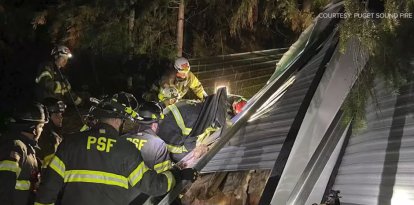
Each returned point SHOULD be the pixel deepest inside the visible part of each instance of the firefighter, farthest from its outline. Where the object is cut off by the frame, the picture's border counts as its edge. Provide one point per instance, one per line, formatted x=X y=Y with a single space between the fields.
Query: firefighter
x=179 y=120
x=19 y=170
x=50 y=80
x=99 y=167
x=52 y=132
x=177 y=128
x=153 y=149
x=183 y=81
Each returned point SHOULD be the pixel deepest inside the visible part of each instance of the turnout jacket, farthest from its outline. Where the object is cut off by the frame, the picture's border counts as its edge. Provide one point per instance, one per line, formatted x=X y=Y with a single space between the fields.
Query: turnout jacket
x=51 y=84
x=98 y=167
x=48 y=143
x=153 y=149
x=177 y=125
x=19 y=170
x=190 y=82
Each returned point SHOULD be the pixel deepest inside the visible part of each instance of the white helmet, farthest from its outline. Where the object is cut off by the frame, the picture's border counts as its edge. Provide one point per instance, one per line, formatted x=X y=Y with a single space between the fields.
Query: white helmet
x=182 y=65
x=170 y=93
x=61 y=51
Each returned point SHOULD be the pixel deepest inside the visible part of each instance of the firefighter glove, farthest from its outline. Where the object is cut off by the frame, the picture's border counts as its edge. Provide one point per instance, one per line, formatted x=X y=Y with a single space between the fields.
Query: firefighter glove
x=185 y=174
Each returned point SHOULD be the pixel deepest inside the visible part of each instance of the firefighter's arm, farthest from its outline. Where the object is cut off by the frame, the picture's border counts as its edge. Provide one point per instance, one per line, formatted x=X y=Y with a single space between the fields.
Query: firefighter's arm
x=156 y=155
x=9 y=171
x=45 y=79
x=196 y=86
x=52 y=181
x=150 y=182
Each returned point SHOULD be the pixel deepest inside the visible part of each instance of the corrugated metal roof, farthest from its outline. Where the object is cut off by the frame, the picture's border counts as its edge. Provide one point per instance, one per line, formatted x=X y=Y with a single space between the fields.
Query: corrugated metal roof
x=244 y=73
x=378 y=164
x=257 y=145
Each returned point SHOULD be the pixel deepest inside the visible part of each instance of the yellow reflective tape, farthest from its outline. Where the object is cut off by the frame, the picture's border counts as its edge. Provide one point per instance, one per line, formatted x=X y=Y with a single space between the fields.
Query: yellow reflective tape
x=23 y=185
x=84 y=128
x=57 y=165
x=47 y=160
x=58 y=88
x=176 y=149
x=137 y=174
x=170 y=180
x=37 y=203
x=131 y=112
x=179 y=119
x=12 y=166
x=206 y=133
x=42 y=75
x=89 y=176
x=163 y=166
x=78 y=101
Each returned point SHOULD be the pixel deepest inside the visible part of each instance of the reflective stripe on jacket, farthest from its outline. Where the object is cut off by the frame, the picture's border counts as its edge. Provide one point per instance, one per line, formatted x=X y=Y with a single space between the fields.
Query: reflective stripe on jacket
x=18 y=170
x=153 y=150
x=98 y=167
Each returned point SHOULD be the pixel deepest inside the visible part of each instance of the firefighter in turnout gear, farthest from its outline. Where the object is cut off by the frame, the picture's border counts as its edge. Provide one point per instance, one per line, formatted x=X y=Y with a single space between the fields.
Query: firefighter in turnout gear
x=183 y=81
x=51 y=82
x=179 y=120
x=97 y=167
x=52 y=132
x=19 y=169
x=153 y=149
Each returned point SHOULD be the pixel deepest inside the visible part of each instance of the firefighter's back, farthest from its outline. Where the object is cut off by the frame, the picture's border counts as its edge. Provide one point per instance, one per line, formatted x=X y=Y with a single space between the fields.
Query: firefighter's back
x=96 y=165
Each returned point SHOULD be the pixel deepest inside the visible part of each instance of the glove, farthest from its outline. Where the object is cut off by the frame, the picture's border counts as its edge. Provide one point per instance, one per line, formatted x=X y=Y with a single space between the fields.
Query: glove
x=184 y=174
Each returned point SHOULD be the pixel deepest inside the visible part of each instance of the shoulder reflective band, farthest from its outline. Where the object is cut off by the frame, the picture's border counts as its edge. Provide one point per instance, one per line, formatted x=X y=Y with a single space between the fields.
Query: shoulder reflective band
x=163 y=166
x=170 y=180
x=37 y=203
x=58 y=87
x=12 y=166
x=46 y=160
x=57 y=165
x=179 y=119
x=176 y=149
x=89 y=176
x=42 y=75
x=23 y=185
x=137 y=174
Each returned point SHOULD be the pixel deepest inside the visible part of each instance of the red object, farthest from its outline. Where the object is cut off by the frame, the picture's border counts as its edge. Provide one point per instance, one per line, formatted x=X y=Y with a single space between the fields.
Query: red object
x=238 y=106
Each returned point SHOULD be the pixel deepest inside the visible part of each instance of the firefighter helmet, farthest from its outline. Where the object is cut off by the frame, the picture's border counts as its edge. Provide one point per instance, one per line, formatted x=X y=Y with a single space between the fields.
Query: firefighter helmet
x=111 y=108
x=126 y=99
x=32 y=114
x=238 y=105
x=150 y=112
x=61 y=51
x=54 y=105
x=170 y=93
x=182 y=65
